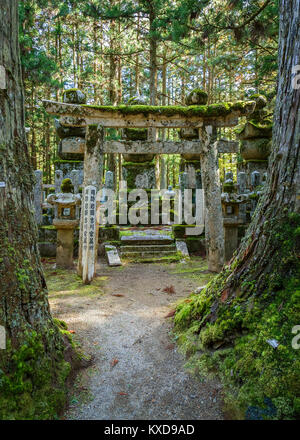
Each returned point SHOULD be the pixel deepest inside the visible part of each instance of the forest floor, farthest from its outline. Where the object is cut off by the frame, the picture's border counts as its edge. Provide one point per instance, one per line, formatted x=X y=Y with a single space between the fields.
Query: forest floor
x=121 y=321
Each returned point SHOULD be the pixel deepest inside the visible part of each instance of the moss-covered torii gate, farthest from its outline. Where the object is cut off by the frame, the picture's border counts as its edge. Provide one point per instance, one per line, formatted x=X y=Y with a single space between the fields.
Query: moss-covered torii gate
x=203 y=118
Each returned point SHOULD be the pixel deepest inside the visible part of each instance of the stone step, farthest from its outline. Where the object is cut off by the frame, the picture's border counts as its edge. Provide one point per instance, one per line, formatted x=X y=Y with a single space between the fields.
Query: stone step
x=147 y=247
x=157 y=258
x=147 y=254
x=146 y=239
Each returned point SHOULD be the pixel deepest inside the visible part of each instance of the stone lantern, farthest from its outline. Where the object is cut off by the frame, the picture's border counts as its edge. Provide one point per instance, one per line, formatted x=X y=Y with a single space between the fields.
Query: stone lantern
x=191 y=162
x=138 y=169
x=231 y=203
x=65 y=222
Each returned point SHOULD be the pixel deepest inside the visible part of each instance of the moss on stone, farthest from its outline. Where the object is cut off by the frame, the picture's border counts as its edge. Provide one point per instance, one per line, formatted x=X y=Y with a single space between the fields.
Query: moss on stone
x=139 y=164
x=67 y=186
x=204 y=111
x=136 y=100
x=228 y=187
x=61 y=161
x=197 y=96
x=74 y=96
x=136 y=134
x=261 y=101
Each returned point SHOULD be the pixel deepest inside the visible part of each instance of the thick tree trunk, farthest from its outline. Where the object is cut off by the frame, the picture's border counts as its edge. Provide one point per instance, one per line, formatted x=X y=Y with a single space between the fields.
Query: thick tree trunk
x=258 y=255
x=24 y=308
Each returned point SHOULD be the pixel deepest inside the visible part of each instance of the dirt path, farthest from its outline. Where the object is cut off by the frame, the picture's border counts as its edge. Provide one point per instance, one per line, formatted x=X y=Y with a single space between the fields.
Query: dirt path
x=137 y=371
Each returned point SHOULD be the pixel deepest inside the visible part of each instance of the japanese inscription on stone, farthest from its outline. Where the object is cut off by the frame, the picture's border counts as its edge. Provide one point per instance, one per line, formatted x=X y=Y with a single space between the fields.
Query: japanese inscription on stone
x=89 y=233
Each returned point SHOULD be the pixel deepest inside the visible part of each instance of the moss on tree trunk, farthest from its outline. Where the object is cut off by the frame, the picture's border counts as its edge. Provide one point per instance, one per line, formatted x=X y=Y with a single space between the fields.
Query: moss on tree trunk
x=33 y=369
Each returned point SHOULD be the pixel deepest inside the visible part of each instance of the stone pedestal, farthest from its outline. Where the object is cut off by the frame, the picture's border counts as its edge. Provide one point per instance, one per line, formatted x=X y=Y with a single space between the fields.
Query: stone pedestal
x=138 y=171
x=231 y=229
x=191 y=162
x=65 y=222
x=65 y=242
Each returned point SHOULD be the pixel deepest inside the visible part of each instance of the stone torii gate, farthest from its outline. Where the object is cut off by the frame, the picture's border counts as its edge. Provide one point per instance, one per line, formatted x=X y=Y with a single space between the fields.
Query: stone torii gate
x=202 y=117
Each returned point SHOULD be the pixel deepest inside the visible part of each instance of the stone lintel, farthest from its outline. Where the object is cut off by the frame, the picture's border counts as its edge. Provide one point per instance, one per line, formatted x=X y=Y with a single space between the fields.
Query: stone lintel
x=223 y=115
x=226 y=146
x=158 y=147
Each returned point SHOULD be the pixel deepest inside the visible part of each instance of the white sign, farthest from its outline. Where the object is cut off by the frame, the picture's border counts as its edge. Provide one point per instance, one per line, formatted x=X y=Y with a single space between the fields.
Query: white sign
x=89 y=234
x=2 y=184
x=2 y=338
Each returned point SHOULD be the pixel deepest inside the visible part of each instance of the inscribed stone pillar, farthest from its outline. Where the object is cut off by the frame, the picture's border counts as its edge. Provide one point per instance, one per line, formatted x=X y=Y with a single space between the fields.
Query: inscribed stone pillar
x=93 y=170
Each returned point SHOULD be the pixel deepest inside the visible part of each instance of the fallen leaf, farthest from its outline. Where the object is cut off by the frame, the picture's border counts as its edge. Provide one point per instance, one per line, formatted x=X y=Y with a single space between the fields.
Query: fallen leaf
x=224 y=295
x=170 y=347
x=169 y=289
x=171 y=313
x=114 y=362
x=72 y=331
x=123 y=394
x=119 y=295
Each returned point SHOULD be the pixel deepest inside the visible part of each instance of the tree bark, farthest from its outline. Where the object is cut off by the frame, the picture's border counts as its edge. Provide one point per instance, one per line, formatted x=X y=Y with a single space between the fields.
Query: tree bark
x=260 y=253
x=24 y=307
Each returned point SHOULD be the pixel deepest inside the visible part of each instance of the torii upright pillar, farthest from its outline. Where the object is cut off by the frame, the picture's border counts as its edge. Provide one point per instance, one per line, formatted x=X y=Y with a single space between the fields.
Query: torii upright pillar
x=89 y=225
x=214 y=232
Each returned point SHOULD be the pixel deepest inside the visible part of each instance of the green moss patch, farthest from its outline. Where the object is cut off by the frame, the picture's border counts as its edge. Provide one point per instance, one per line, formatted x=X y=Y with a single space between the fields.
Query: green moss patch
x=136 y=134
x=197 y=96
x=32 y=383
x=65 y=283
x=213 y=110
x=227 y=334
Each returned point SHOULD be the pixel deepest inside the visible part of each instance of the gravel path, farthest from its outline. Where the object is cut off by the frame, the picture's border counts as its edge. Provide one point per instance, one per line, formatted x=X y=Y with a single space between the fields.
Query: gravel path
x=137 y=371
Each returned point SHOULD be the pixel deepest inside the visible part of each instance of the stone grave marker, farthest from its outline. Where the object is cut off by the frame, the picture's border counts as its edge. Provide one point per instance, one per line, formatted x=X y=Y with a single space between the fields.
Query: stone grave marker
x=90 y=234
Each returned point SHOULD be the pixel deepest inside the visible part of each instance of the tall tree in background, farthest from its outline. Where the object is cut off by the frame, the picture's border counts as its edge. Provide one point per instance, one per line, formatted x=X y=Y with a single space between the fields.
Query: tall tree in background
x=32 y=368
